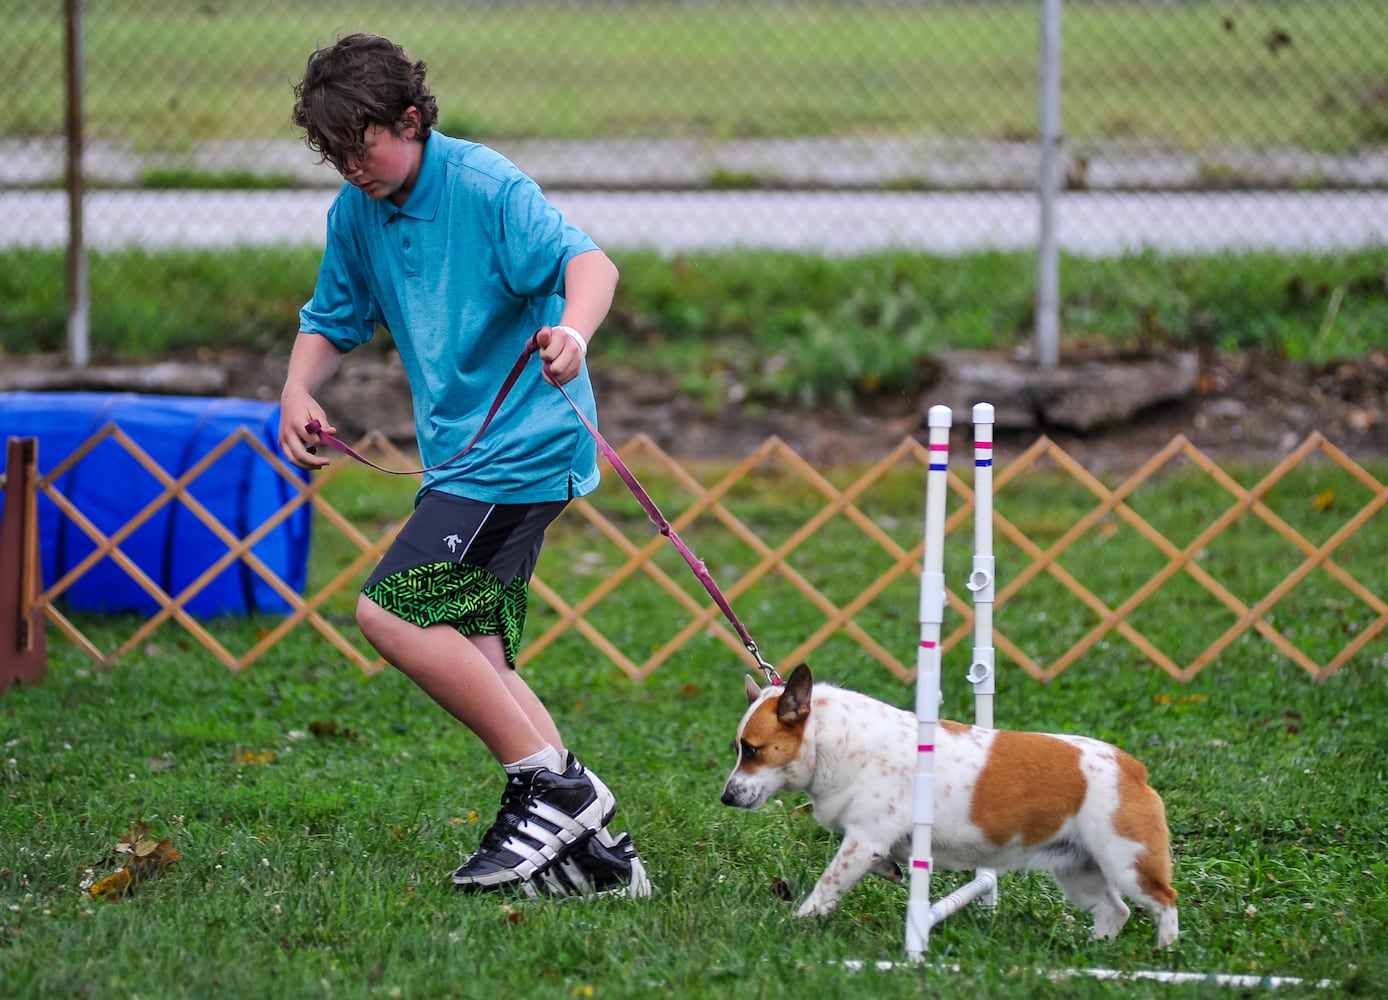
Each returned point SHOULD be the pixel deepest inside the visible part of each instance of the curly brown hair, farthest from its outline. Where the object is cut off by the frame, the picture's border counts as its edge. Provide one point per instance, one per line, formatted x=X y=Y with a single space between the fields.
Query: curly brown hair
x=359 y=81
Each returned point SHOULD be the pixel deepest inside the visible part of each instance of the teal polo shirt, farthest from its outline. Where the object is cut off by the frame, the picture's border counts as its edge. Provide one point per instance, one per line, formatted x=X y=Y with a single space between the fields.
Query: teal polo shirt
x=462 y=275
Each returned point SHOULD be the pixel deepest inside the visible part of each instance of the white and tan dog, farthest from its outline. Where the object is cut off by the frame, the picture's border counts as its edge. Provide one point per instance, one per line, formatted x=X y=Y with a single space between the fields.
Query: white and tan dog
x=1074 y=806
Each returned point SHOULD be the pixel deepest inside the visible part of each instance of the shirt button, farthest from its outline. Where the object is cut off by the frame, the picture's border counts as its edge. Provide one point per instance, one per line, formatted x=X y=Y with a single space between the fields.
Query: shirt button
x=406 y=244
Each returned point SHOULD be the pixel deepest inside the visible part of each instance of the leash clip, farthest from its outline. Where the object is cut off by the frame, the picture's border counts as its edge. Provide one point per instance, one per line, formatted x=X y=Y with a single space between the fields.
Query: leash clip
x=772 y=677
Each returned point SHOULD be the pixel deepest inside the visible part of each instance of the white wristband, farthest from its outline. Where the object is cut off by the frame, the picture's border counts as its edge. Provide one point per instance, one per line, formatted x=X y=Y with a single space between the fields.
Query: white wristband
x=577 y=339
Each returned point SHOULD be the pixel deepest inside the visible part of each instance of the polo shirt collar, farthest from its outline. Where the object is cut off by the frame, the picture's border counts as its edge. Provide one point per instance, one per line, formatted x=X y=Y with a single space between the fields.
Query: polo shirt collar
x=423 y=202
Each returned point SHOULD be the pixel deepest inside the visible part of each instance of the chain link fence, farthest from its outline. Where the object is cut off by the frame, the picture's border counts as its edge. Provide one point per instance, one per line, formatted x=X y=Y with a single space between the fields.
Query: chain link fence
x=819 y=126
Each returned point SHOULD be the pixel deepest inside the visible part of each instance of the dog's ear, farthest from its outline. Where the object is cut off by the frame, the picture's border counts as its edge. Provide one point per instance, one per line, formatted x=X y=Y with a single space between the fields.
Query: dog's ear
x=794 y=704
x=753 y=691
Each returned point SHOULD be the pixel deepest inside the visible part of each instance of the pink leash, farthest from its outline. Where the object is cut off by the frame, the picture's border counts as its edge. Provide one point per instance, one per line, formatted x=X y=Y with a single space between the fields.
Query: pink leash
x=608 y=452
x=333 y=441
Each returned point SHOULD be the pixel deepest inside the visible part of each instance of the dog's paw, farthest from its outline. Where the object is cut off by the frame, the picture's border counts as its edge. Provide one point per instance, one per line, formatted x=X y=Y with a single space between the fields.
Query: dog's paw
x=816 y=906
x=888 y=869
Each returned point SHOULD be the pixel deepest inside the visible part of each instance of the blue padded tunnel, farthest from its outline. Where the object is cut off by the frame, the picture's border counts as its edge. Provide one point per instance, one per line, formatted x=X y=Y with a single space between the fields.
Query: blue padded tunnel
x=109 y=486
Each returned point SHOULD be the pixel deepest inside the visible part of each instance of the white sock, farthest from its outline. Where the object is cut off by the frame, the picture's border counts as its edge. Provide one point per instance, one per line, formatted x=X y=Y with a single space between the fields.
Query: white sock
x=548 y=758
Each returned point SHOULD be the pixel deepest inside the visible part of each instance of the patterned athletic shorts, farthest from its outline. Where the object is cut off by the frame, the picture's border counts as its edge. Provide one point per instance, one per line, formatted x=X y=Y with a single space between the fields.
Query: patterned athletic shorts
x=464 y=563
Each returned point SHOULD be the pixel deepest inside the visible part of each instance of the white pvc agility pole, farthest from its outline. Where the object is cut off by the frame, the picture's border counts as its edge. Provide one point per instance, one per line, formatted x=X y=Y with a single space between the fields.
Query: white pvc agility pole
x=921 y=916
x=982 y=672
x=932 y=616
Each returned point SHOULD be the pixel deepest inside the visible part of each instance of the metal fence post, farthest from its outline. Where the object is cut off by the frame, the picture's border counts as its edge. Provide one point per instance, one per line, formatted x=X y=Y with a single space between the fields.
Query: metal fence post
x=1047 y=251
x=78 y=291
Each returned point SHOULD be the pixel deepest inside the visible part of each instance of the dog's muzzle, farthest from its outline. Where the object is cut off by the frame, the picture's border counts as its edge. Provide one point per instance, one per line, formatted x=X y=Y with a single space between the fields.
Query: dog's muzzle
x=743 y=794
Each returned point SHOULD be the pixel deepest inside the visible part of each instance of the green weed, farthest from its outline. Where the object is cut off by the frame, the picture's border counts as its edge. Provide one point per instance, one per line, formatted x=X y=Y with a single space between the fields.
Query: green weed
x=768 y=329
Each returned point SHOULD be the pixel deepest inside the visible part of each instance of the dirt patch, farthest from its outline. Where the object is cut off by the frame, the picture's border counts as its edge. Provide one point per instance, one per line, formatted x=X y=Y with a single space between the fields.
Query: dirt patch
x=1243 y=407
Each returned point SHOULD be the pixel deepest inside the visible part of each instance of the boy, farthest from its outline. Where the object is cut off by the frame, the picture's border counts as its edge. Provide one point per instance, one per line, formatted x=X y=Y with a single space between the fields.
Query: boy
x=451 y=248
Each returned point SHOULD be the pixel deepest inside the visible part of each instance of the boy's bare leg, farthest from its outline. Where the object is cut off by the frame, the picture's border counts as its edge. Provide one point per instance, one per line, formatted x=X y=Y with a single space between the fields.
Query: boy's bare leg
x=494 y=650
x=469 y=678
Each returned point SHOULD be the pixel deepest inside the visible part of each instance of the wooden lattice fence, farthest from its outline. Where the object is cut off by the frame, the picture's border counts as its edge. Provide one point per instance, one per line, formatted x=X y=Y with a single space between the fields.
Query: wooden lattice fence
x=1307 y=543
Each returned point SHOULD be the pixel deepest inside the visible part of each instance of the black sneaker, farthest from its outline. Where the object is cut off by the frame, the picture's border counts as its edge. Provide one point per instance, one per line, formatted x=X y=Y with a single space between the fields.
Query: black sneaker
x=542 y=816
x=603 y=865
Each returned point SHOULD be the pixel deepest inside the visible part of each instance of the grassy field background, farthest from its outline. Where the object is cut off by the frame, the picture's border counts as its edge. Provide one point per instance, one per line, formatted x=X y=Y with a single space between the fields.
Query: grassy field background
x=788 y=329
x=1182 y=75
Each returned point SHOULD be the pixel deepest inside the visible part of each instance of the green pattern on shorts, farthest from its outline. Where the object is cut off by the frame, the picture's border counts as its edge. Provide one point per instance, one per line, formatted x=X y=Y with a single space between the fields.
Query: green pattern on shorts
x=469 y=598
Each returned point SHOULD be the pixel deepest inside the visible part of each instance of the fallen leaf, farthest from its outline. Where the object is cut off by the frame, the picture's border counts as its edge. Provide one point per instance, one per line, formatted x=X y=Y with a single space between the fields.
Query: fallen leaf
x=326 y=729
x=113 y=886
x=146 y=847
x=251 y=757
x=149 y=858
x=512 y=914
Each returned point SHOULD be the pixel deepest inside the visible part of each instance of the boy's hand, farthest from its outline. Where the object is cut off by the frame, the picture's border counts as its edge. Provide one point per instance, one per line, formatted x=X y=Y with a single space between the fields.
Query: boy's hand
x=562 y=349
x=297 y=442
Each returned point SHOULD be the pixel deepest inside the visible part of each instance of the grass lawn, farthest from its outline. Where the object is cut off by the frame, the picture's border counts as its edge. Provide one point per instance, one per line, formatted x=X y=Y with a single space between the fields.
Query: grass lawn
x=317 y=812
